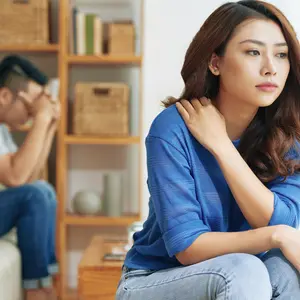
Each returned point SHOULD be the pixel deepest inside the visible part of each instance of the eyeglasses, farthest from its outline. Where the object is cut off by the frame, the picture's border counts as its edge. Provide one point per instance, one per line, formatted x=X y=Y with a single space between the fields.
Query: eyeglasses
x=44 y=93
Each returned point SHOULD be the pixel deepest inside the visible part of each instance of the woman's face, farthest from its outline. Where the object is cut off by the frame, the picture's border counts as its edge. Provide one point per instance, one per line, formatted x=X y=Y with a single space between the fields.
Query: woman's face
x=255 y=65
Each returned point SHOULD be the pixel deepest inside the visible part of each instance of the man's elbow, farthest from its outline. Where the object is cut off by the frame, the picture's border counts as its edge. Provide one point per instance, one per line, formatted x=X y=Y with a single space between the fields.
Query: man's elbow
x=14 y=181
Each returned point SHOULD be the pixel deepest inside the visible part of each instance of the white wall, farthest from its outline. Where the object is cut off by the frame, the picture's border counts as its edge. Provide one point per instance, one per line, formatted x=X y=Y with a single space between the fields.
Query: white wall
x=169 y=27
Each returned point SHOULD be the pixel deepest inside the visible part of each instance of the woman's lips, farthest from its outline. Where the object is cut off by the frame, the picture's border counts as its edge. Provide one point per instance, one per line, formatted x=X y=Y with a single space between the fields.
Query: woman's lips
x=268 y=87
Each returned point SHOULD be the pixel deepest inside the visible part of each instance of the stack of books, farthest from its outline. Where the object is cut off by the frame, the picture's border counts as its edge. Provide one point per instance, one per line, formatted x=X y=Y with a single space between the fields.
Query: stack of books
x=86 y=33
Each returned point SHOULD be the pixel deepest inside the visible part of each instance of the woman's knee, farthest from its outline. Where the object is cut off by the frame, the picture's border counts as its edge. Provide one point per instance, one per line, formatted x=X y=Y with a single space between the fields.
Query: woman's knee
x=283 y=275
x=247 y=277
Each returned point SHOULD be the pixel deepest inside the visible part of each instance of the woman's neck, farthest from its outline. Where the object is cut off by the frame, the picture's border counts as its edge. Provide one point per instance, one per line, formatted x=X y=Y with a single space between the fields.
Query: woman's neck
x=238 y=115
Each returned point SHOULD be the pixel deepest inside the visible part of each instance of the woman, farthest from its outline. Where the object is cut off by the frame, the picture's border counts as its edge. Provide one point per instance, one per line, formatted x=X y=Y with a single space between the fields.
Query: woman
x=223 y=168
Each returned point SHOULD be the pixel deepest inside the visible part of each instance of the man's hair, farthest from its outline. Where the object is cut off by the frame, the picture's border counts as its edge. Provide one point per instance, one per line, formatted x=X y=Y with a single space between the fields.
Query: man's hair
x=15 y=80
x=16 y=72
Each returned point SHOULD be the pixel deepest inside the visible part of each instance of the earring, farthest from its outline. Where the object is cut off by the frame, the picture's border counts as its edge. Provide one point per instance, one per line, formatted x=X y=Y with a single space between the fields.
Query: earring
x=215 y=71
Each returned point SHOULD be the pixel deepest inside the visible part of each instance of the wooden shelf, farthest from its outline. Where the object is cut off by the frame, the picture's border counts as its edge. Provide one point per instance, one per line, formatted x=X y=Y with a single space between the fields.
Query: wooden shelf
x=104 y=59
x=29 y=48
x=95 y=140
x=66 y=62
x=72 y=219
x=71 y=294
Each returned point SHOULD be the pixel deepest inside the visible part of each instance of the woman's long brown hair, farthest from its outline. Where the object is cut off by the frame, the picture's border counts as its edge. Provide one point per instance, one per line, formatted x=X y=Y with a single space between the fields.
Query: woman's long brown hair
x=270 y=143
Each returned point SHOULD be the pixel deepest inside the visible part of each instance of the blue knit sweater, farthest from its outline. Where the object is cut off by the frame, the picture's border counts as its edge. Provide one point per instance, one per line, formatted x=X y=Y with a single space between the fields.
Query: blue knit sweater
x=190 y=196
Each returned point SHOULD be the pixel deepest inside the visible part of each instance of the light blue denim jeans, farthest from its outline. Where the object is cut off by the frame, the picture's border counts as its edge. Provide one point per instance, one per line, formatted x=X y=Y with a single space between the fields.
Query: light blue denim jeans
x=31 y=208
x=227 y=277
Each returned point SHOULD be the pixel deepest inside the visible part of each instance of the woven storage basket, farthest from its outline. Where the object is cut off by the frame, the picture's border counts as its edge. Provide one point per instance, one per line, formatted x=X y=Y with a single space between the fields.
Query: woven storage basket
x=121 y=38
x=101 y=109
x=24 y=22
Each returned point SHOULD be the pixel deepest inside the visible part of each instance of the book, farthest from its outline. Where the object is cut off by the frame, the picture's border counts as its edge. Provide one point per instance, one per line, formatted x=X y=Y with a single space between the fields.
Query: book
x=98 y=36
x=114 y=257
x=80 y=33
x=89 y=34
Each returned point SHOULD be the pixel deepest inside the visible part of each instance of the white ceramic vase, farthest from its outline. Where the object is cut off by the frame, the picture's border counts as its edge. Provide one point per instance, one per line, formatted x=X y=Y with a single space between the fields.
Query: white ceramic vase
x=87 y=203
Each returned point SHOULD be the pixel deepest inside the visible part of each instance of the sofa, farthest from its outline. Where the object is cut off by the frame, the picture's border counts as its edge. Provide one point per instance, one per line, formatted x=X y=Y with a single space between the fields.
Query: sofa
x=10 y=268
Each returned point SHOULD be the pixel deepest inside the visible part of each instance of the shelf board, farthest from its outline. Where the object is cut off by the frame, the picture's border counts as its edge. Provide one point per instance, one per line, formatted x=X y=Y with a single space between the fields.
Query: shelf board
x=71 y=294
x=96 y=140
x=104 y=59
x=73 y=219
x=29 y=48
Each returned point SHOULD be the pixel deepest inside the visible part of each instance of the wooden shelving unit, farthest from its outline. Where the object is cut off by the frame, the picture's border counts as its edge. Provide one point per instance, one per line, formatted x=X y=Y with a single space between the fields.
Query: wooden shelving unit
x=29 y=48
x=105 y=59
x=99 y=220
x=64 y=140
x=94 y=140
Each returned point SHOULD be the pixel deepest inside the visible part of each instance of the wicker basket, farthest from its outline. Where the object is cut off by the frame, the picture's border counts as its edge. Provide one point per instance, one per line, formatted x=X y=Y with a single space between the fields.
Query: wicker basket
x=101 y=109
x=24 y=22
x=121 y=38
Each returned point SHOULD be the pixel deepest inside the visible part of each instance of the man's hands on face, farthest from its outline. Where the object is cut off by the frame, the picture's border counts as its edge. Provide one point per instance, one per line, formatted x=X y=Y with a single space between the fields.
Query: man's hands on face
x=56 y=110
x=42 y=107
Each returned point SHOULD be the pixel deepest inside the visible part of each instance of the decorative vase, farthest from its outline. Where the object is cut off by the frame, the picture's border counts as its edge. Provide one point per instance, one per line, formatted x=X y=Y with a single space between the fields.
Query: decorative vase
x=87 y=202
x=113 y=194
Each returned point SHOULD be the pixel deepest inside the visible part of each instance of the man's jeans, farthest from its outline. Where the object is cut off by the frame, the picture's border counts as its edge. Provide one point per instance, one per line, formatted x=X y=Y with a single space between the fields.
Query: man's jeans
x=31 y=208
x=227 y=277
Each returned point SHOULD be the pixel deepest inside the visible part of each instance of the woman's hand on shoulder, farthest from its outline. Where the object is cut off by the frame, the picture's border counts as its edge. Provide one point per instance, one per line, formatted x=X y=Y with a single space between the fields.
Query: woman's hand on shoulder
x=204 y=121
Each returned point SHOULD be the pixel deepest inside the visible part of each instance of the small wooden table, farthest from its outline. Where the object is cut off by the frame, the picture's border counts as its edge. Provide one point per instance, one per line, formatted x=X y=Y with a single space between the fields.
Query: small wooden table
x=98 y=279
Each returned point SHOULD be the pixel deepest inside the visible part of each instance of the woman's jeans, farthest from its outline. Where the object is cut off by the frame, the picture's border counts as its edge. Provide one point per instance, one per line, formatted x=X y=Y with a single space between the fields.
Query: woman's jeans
x=227 y=277
x=31 y=208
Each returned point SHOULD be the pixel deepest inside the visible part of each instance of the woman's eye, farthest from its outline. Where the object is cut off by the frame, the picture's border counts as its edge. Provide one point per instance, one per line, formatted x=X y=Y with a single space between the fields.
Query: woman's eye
x=253 y=52
x=282 y=55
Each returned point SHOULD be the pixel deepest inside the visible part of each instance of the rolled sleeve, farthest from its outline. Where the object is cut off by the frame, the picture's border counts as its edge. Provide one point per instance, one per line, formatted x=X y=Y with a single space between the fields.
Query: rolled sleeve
x=182 y=236
x=286 y=202
x=172 y=193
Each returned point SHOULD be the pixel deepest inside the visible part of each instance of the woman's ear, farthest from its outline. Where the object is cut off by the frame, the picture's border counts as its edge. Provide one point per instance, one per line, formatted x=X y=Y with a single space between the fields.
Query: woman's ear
x=214 y=64
x=6 y=97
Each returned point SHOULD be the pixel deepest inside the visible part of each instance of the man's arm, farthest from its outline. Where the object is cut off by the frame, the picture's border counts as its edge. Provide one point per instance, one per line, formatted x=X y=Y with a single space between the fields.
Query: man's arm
x=44 y=154
x=16 y=168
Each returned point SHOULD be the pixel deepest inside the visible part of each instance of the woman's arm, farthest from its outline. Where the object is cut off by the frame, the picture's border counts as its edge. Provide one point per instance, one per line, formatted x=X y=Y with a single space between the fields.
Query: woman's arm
x=213 y=244
x=260 y=206
x=254 y=199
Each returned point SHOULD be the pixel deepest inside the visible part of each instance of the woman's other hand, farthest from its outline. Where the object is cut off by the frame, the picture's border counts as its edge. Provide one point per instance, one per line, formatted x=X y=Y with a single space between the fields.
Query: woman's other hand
x=287 y=239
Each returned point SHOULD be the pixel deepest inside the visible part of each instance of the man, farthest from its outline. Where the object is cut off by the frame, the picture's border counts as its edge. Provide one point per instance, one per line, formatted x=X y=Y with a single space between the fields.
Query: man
x=27 y=203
